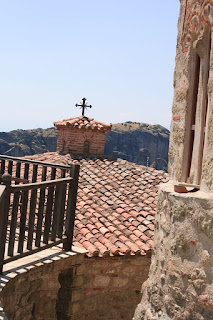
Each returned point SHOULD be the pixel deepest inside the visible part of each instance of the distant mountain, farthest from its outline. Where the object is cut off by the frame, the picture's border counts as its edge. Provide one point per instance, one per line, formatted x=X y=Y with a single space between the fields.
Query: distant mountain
x=136 y=142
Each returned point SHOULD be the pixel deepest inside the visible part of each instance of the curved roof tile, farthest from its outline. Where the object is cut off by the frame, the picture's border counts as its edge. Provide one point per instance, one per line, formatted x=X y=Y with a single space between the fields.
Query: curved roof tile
x=83 y=122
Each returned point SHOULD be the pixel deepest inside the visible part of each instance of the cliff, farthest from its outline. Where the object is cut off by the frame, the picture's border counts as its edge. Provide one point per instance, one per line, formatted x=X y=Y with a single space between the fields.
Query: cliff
x=139 y=142
x=136 y=142
x=27 y=142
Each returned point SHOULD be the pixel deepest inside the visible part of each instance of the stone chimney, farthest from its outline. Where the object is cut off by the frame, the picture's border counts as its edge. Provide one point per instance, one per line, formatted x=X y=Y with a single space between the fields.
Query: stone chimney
x=81 y=136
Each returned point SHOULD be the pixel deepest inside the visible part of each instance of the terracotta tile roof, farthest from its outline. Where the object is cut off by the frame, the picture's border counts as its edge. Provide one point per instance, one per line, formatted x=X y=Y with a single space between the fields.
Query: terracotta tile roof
x=116 y=205
x=83 y=122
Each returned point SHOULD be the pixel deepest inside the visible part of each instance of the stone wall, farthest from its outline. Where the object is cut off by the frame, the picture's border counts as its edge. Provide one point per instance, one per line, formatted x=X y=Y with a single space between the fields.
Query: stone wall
x=38 y=294
x=180 y=283
x=113 y=287
x=71 y=140
x=77 y=288
x=191 y=154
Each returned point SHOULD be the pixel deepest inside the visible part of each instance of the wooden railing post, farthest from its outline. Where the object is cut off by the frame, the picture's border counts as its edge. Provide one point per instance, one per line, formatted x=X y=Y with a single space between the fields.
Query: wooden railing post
x=71 y=206
x=4 y=210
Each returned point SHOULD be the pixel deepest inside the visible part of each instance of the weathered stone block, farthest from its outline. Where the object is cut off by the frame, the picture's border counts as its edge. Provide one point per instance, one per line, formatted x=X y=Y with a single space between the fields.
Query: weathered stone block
x=120 y=282
x=78 y=281
x=101 y=281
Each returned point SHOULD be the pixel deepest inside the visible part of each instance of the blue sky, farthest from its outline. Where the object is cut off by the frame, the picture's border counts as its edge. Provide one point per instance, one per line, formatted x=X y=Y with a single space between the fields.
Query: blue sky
x=119 y=54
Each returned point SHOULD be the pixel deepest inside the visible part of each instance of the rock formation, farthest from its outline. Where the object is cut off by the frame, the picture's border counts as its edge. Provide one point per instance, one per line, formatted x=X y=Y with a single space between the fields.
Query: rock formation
x=139 y=143
x=136 y=142
x=19 y=143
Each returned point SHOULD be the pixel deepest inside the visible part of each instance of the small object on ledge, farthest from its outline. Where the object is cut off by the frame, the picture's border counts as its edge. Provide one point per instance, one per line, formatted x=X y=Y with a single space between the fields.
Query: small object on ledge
x=181 y=187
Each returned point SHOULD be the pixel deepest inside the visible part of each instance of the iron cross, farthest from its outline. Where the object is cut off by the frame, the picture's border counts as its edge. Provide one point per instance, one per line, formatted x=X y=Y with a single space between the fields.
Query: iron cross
x=83 y=106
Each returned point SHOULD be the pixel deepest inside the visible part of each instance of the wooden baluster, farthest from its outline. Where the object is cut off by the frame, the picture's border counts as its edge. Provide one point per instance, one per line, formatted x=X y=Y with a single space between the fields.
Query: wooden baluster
x=41 y=209
x=48 y=215
x=18 y=171
x=13 y=224
x=4 y=210
x=2 y=169
x=71 y=206
x=57 y=204
x=32 y=209
x=10 y=167
x=23 y=212
x=62 y=206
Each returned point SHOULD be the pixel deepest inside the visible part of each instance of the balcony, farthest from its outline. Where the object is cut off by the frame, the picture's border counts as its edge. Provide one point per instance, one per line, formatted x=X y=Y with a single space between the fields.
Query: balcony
x=37 y=206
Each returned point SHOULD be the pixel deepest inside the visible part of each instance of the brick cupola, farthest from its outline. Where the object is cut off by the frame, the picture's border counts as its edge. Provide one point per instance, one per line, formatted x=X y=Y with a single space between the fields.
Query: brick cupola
x=81 y=136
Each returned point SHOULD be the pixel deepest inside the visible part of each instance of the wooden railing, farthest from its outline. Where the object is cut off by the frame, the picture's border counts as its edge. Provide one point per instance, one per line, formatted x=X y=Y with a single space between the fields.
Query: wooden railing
x=37 y=206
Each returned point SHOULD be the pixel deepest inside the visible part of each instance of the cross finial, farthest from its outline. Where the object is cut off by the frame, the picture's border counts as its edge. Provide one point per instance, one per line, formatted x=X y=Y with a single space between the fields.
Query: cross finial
x=83 y=106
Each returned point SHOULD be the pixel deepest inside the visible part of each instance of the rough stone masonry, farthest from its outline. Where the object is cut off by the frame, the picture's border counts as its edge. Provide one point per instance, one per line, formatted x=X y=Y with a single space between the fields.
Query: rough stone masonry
x=180 y=285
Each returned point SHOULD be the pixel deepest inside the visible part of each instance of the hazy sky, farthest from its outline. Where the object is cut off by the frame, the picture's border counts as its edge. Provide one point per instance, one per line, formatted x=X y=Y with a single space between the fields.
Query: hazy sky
x=119 y=54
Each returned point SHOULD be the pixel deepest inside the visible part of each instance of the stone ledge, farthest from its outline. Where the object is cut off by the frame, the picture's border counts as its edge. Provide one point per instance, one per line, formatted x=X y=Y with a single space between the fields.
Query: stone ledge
x=2 y=315
x=169 y=188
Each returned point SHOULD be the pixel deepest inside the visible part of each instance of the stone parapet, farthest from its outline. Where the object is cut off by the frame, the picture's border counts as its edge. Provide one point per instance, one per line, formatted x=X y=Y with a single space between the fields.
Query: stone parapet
x=55 y=284
x=32 y=287
x=180 y=279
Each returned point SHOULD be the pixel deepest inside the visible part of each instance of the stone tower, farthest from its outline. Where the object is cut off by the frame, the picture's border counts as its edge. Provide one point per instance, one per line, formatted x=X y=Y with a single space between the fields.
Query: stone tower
x=180 y=283
x=81 y=136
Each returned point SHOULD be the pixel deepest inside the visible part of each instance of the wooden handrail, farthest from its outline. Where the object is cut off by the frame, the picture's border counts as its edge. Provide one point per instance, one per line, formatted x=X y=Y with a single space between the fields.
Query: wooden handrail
x=42 y=184
x=45 y=164
x=17 y=179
